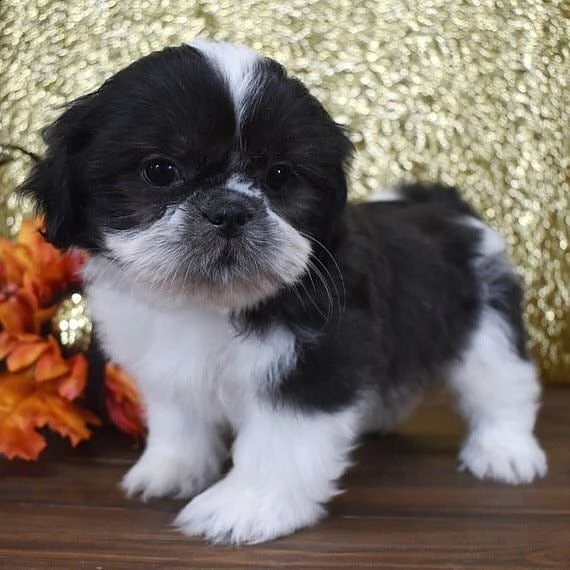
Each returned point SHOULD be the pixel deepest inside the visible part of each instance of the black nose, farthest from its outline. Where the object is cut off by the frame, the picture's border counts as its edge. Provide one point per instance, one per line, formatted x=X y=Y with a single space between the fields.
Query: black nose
x=229 y=218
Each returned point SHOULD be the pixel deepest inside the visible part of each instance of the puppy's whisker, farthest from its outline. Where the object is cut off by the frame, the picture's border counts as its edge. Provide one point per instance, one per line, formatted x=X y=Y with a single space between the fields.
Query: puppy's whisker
x=295 y=289
x=334 y=285
x=322 y=281
x=313 y=302
x=312 y=269
x=335 y=264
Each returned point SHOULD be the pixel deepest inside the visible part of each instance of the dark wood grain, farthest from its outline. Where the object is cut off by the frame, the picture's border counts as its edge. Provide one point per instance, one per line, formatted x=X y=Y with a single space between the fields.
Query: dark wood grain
x=406 y=506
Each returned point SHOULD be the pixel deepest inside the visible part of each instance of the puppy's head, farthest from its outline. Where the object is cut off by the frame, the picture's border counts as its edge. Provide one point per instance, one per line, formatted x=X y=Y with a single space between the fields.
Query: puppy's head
x=201 y=171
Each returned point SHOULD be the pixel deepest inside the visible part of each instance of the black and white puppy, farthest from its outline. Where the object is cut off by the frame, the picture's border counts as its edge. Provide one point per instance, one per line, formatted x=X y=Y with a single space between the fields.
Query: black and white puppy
x=231 y=279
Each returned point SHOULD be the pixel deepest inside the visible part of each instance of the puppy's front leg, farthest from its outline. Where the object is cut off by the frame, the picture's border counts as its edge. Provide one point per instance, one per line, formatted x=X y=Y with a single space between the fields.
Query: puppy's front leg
x=286 y=465
x=183 y=455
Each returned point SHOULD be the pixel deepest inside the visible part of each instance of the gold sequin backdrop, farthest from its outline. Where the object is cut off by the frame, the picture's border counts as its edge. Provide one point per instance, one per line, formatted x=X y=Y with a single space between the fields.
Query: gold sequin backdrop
x=469 y=93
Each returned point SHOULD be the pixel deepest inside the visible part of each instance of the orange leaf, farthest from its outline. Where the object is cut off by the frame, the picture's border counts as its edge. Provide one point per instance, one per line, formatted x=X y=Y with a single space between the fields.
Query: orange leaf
x=9 y=341
x=7 y=344
x=28 y=337
x=124 y=405
x=50 y=365
x=72 y=385
x=25 y=354
x=21 y=441
x=26 y=405
x=15 y=260
x=41 y=316
x=17 y=311
x=65 y=418
x=30 y=236
x=126 y=418
x=52 y=272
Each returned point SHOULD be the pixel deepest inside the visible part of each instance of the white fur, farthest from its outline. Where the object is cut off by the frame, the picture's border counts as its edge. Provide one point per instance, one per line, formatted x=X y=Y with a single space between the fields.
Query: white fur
x=237 y=65
x=151 y=247
x=189 y=357
x=184 y=452
x=384 y=195
x=295 y=251
x=237 y=183
x=197 y=376
x=286 y=465
x=491 y=242
x=498 y=394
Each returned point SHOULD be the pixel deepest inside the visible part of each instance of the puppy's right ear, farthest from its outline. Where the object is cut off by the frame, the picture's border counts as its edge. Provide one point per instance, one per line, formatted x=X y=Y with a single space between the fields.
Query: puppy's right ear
x=56 y=184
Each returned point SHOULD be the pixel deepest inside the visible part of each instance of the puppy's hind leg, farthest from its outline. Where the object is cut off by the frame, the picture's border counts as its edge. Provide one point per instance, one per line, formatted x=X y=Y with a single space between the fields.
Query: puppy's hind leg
x=383 y=413
x=498 y=393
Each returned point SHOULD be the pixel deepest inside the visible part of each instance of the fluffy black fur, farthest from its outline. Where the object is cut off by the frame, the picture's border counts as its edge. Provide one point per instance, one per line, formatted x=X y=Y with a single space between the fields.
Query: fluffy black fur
x=392 y=294
x=406 y=298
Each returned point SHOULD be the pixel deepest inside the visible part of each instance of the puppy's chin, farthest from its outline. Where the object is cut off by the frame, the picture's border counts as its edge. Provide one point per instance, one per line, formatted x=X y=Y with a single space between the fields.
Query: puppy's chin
x=230 y=275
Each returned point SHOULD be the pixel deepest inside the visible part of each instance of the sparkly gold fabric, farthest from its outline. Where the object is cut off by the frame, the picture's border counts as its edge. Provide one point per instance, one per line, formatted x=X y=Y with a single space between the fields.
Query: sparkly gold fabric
x=469 y=93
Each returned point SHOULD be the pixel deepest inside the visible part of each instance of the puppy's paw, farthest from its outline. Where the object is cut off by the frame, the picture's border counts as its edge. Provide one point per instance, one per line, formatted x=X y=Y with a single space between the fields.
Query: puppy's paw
x=160 y=473
x=503 y=455
x=238 y=511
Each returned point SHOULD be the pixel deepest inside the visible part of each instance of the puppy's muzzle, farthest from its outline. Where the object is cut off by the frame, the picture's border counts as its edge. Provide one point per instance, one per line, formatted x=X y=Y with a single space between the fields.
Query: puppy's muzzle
x=230 y=215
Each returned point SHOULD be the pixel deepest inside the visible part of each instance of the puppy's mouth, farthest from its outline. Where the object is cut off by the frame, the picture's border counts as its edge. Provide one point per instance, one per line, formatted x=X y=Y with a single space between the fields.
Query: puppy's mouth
x=221 y=261
x=241 y=271
x=264 y=254
x=232 y=264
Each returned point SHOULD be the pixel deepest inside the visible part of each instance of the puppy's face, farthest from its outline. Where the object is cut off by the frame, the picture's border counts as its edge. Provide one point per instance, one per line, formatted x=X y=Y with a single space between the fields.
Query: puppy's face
x=198 y=171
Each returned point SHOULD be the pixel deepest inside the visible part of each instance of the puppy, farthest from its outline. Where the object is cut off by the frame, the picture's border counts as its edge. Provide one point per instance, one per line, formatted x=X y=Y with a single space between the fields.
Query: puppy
x=230 y=278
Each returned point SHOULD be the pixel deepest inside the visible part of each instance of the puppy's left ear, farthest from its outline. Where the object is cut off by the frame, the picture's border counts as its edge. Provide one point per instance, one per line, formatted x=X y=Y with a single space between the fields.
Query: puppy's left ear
x=56 y=184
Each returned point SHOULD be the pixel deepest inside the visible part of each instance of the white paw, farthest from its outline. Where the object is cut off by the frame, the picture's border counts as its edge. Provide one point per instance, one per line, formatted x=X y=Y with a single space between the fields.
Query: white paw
x=161 y=473
x=238 y=511
x=504 y=455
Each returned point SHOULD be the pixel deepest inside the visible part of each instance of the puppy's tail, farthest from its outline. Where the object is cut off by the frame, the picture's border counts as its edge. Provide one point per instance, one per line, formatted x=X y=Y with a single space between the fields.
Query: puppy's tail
x=436 y=194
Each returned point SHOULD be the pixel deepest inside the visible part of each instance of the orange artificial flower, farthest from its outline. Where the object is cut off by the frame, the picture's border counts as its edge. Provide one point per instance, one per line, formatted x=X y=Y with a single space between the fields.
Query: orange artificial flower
x=33 y=274
x=123 y=402
x=38 y=385
x=27 y=405
x=51 y=272
x=38 y=390
x=21 y=351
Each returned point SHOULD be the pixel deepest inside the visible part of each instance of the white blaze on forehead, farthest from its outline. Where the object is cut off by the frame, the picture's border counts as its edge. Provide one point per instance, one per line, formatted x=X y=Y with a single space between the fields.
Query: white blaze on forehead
x=240 y=184
x=236 y=63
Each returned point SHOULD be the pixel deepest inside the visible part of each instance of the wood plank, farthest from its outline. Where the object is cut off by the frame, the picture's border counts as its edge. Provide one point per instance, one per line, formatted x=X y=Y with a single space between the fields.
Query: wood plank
x=406 y=506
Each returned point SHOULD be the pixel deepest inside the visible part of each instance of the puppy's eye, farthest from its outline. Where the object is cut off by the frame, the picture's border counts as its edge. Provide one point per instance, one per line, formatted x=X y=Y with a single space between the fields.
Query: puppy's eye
x=159 y=172
x=278 y=176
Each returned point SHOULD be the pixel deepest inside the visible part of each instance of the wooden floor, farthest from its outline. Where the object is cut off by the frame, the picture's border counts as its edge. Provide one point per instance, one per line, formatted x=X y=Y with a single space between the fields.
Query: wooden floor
x=406 y=506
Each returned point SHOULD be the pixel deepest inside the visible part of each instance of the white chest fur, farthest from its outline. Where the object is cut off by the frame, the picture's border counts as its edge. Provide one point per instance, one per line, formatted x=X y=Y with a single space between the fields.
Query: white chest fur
x=193 y=353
